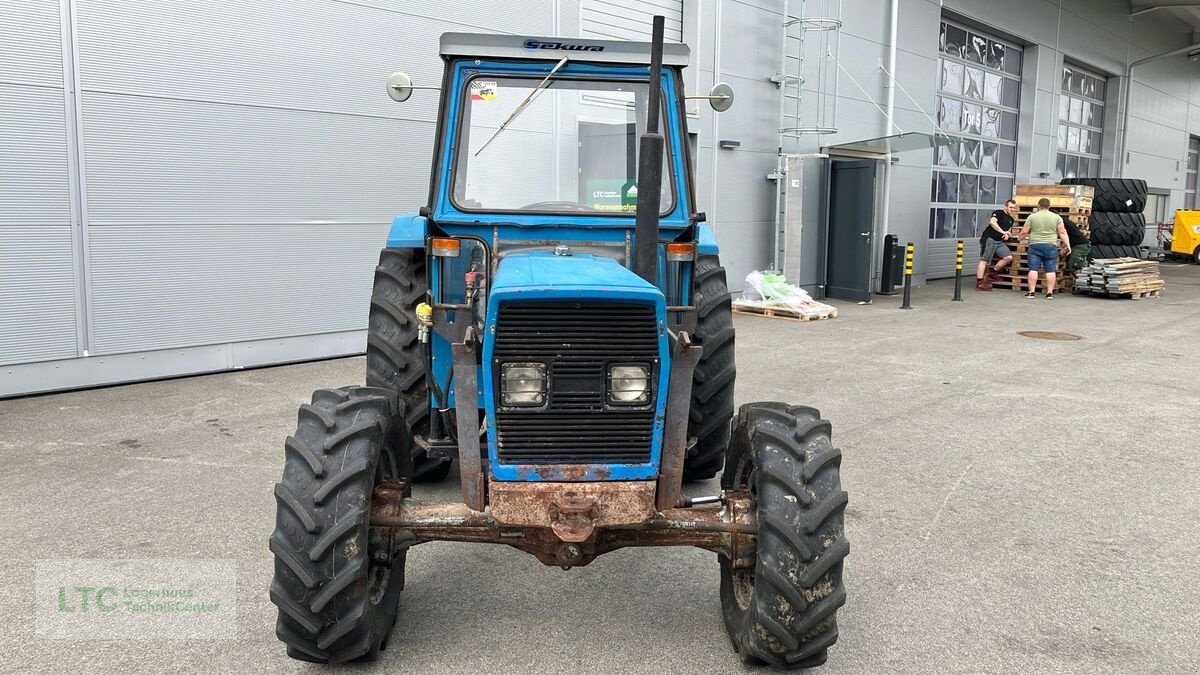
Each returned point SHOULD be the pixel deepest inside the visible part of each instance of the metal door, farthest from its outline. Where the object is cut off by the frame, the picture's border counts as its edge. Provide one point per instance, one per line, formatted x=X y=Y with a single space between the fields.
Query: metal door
x=851 y=217
x=604 y=174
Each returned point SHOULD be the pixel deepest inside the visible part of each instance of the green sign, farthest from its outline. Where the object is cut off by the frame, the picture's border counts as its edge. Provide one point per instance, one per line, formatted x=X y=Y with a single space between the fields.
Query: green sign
x=608 y=194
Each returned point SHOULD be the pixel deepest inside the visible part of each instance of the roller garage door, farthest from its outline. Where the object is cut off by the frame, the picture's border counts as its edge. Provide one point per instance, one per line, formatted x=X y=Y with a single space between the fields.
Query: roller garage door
x=977 y=102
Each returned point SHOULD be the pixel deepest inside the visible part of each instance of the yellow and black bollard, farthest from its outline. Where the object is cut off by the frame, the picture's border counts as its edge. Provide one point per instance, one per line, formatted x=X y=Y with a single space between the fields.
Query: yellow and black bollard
x=908 y=264
x=958 y=255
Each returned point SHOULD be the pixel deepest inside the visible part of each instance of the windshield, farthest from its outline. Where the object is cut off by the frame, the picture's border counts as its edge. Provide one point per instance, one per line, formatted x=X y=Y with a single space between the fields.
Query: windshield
x=572 y=149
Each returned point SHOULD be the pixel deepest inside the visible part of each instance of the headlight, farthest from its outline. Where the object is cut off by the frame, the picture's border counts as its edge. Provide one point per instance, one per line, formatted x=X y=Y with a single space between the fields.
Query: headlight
x=628 y=384
x=523 y=383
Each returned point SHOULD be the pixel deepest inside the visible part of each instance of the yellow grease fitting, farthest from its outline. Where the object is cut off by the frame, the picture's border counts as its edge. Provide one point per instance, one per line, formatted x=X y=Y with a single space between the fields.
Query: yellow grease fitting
x=424 y=313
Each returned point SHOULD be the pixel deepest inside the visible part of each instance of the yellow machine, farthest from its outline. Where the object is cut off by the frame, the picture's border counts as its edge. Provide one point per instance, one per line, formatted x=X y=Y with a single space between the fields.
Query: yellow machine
x=1185 y=237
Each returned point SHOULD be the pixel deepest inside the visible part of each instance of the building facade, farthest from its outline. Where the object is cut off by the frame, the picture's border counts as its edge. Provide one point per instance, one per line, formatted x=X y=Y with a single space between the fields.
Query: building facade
x=191 y=188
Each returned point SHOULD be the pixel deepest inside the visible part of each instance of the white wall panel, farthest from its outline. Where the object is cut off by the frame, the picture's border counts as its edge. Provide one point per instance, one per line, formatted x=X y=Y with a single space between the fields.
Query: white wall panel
x=631 y=19
x=160 y=286
x=749 y=41
x=244 y=161
x=242 y=164
x=33 y=160
x=37 y=272
x=309 y=54
x=31 y=42
x=1155 y=106
x=166 y=161
x=37 y=294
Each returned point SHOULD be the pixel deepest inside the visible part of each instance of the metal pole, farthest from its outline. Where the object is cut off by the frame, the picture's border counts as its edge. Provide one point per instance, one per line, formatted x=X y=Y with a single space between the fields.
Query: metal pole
x=908 y=265
x=780 y=164
x=958 y=256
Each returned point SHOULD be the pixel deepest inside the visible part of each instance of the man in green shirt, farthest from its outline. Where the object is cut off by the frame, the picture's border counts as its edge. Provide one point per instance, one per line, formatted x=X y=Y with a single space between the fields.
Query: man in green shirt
x=1044 y=228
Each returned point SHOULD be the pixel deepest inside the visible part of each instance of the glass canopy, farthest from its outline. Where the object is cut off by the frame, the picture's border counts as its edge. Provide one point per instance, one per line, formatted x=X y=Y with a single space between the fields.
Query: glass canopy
x=909 y=140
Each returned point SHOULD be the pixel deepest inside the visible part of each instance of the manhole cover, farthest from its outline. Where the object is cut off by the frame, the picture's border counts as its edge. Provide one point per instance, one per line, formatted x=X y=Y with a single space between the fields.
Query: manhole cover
x=1048 y=335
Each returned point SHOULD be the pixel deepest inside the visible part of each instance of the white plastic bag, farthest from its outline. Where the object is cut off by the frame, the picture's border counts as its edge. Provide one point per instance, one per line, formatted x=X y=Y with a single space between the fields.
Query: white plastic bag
x=771 y=290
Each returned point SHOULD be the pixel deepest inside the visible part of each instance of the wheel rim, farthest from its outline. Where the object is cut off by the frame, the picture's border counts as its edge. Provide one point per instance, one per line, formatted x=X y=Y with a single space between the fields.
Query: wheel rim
x=745 y=476
x=379 y=571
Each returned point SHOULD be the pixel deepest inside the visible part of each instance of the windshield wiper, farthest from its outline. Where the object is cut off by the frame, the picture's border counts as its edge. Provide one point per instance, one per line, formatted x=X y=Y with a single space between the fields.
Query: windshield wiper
x=519 y=108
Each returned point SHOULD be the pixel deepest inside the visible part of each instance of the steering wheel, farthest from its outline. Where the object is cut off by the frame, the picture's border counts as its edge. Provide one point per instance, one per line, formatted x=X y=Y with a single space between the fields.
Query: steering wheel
x=557 y=206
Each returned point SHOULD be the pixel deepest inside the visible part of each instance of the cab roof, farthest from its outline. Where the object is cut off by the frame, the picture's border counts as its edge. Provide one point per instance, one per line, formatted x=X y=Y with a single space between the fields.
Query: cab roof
x=485 y=45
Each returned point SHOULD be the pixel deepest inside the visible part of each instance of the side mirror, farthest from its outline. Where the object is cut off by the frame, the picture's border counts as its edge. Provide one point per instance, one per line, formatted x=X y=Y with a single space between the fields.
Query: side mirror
x=399 y=87
x=721 y=97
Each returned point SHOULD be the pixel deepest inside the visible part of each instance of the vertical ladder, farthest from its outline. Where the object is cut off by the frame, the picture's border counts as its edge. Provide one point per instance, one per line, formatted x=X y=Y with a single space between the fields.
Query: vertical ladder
x=808 y=90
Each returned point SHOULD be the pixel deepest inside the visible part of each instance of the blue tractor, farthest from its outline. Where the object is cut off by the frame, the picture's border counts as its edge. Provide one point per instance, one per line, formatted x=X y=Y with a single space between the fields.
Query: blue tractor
x=556 y=322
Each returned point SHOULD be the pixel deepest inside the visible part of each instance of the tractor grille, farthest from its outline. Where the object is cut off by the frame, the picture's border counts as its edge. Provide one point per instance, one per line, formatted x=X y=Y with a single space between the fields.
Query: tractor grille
x=576 y=341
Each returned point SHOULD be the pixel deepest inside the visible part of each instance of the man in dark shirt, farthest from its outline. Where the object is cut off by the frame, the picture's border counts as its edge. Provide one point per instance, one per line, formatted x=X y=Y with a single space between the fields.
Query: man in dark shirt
x=992 y=244
x=1081 y=248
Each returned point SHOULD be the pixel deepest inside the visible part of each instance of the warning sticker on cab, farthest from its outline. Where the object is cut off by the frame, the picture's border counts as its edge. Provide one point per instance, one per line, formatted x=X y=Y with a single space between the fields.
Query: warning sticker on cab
x=483 y=90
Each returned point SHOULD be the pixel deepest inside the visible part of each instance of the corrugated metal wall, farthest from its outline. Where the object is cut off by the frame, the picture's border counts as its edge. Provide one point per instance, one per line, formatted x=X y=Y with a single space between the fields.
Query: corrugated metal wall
x=631 y=19
x=238 y=166
x=37 y=270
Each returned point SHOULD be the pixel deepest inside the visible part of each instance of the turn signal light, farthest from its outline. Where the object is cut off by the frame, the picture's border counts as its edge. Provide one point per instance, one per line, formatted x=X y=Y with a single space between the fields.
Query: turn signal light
x=445 y=247
x=681 y=252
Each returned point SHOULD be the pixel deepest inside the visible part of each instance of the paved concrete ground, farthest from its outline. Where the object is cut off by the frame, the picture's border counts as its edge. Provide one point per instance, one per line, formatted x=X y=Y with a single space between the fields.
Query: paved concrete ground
x=1016 y=505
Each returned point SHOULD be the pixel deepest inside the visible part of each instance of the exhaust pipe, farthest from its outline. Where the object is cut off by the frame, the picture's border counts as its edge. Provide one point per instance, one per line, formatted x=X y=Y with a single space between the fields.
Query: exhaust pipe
x=649 y=175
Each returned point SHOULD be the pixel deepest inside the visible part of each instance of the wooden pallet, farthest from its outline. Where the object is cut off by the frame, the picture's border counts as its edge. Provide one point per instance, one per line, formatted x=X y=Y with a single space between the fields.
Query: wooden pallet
x=1038 y=190
x=1080 y=217
x=1016 y=277
x=1136 y=295
x=1056 y=202
x=1060 y=196
x=783 y=313
x=1121 y=278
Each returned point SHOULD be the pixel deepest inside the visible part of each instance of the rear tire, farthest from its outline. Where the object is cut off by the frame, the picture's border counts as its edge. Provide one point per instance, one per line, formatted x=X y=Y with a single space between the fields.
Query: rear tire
x=783 y=611
x=394 y=350
x=337 y=601
x=712 y=381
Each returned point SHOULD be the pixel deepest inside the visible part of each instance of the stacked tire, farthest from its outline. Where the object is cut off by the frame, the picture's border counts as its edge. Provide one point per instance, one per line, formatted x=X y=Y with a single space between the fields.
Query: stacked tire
x=1117 y=224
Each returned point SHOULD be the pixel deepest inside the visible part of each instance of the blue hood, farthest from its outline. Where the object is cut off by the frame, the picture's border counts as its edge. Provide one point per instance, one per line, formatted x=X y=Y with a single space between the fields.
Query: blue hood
x=543 y=270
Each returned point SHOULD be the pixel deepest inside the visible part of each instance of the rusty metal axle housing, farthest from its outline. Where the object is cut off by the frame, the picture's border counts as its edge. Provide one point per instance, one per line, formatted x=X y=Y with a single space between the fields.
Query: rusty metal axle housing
x=566 y=524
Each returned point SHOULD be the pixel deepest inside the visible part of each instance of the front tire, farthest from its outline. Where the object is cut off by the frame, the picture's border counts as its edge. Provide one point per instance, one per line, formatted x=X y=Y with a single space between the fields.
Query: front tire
x=394 y=350
x=337 y=593
x=712 y=382
x=783 y=610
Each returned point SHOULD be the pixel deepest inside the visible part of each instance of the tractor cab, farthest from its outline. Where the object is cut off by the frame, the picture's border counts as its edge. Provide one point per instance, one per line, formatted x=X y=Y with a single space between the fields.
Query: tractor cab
x=539 y=132
x=566 y=251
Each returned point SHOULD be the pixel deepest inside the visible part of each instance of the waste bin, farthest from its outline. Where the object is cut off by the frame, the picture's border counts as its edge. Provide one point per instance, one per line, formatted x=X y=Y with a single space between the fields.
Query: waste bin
x=892 y=274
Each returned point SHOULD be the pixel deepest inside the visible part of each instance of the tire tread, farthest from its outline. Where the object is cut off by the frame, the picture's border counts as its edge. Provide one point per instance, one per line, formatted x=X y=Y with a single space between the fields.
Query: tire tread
x=712 y=403
x=320 y=542
x=394 y=351
x=790 y=621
